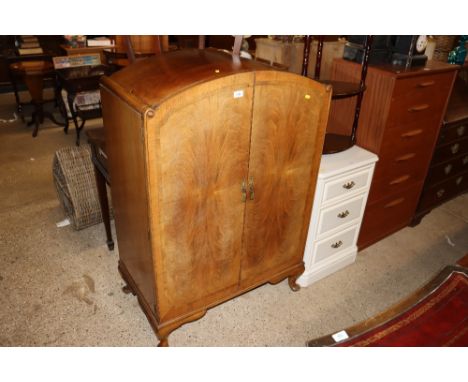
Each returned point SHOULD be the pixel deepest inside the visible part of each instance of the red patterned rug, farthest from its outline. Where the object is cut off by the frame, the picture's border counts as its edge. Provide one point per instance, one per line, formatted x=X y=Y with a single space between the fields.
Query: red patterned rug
x=436 y=315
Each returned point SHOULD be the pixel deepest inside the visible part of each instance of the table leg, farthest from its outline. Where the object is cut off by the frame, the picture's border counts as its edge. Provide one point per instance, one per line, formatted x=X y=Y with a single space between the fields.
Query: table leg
x=104 y=203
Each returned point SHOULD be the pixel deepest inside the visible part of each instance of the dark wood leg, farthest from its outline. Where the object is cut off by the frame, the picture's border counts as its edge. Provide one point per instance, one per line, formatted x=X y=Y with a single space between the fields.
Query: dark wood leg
x=78 y=131
x=127 y=290
x=104 y=203
x=292 y=283
x=163 y=342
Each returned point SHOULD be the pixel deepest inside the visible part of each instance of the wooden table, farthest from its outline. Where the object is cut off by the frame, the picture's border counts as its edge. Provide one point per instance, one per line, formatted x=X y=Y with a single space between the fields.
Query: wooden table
x=96 y=139
x=33 y=74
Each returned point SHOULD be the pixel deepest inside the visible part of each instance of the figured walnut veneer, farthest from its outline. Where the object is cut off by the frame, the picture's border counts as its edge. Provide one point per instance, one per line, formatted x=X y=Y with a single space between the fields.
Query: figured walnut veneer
x=214 y=163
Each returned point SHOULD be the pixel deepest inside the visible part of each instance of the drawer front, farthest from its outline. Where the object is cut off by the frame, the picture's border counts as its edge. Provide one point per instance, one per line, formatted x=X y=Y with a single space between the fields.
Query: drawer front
x=388 y=215
x=417 y=98
x=425 y=85
x=327 y=248
x=336 y=216
x=347 y=185
x=451 y=133
x=443 y=191
x=450 y=151
x=417 y=137
x=443 y=171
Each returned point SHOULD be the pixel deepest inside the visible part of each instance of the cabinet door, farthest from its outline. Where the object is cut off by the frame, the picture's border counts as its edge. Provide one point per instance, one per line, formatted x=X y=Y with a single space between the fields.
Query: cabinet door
x=204 y=149
x=289 y=119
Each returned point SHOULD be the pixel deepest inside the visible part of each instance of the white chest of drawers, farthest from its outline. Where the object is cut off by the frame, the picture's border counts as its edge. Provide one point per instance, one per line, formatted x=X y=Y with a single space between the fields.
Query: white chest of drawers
x=340 y=199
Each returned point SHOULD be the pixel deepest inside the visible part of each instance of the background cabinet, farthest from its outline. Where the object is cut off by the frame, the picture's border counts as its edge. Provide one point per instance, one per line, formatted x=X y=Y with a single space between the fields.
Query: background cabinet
x=400 y=118
x=213 y=164
x=448 y=171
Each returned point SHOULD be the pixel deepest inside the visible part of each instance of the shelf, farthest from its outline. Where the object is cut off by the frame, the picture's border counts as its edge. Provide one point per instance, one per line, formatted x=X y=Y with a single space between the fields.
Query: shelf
x=343 y=89
x=335 y=143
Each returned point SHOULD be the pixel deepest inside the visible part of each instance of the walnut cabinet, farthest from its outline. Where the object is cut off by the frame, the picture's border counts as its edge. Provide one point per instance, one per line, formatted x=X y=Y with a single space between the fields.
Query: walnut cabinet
x=213 y=164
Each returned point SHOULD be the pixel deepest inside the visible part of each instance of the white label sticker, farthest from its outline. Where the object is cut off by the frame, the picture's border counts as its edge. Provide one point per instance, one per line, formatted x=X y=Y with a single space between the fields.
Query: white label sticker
x=238 y=93
x=340 y=336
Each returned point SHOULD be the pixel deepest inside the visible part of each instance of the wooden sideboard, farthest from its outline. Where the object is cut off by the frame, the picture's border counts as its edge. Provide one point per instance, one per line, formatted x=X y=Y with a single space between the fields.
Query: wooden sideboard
x=448 y=171
x=214 y=162
x=400 y=119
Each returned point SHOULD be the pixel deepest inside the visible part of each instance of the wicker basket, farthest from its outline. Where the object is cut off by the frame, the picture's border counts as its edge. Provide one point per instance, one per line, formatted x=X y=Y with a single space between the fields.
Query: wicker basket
x=73 y=173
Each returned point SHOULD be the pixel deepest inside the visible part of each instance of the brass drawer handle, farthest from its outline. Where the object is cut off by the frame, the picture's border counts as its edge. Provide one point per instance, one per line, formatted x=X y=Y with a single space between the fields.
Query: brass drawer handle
x=426 y=84
x=399 y=180
x=412 y=133
x=418 y=107
x=338 y=244
x=243 y=191
x=349 y=185
x=251 y=189
x=459 y=180
x=448 y=168
x=343 y=214
x=461 y=130
x=465 y=160
x=440 y=193
x=454 y=148
x=405 y=157
x=394 y=203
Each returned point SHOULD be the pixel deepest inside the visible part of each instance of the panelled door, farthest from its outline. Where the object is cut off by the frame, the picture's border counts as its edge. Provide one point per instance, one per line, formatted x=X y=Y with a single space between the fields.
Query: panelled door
x=286 y=144
x=204 y=140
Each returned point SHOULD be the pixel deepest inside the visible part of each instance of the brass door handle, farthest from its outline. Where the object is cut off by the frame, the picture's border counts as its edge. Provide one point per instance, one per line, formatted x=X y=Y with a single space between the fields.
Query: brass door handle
x=251 y=189
x=343 y=214
x=459 y=180
x=243 y=191
x=338 y=244
x=461 y=130
x=349 y=185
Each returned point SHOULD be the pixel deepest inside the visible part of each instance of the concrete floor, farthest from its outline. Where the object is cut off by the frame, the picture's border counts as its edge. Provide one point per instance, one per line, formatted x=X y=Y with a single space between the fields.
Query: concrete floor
x=60 y=287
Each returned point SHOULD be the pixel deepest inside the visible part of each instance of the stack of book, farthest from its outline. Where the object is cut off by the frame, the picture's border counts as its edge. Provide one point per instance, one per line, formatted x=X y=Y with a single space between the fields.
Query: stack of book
x=100 y=41
x=29 y=45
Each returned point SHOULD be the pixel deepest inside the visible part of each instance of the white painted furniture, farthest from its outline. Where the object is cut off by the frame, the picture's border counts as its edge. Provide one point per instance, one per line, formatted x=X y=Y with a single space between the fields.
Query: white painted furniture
x=340 y=199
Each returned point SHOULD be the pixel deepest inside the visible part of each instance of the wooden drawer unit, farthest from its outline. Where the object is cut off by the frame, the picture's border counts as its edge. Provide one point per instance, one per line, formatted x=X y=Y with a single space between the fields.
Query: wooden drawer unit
x=448 y=173
x=340 y=198
x=400 y=119
x=443 y=191
x=388 y=215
